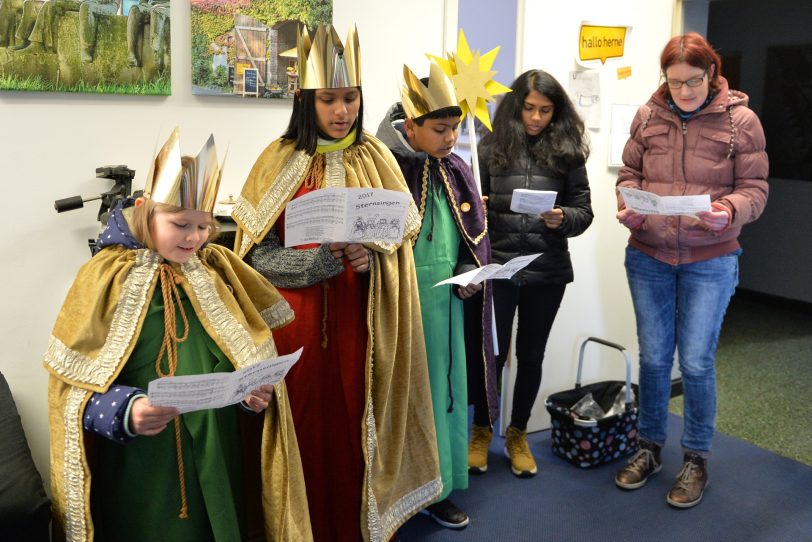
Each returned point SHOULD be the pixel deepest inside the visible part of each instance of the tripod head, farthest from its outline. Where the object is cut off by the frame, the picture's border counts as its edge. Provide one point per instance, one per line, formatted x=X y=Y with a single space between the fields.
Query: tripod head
x=122 y=177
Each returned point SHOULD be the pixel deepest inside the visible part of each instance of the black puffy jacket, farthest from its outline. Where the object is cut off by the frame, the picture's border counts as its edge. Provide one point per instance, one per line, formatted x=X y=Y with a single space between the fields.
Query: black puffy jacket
x=515 y=234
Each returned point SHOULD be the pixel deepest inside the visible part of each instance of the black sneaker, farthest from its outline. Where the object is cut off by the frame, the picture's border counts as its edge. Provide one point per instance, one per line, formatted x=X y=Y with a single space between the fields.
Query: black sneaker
x=447 y=514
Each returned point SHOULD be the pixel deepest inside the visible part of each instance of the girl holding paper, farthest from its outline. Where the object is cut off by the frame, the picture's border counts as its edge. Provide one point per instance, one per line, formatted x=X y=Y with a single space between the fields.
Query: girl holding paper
x=538 y=143
x=158 y=300
x=360 y=393
x=694 y=136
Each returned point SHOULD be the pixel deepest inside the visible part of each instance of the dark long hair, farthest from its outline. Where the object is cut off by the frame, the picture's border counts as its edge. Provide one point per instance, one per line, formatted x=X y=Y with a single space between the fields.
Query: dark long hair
x=302 y=127
x=692 y=49
x=561 y=146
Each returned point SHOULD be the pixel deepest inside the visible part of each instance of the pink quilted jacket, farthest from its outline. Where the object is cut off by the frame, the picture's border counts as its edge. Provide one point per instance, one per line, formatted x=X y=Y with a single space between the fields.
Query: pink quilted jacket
x=719 y=151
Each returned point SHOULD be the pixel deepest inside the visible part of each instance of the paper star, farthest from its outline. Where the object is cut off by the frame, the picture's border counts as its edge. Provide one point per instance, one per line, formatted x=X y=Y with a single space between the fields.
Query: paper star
x=472 y=77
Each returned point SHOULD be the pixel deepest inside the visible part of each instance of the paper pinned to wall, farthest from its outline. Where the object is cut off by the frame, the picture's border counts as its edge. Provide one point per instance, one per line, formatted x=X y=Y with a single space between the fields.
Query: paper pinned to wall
x=584 y=90
x=622 y=116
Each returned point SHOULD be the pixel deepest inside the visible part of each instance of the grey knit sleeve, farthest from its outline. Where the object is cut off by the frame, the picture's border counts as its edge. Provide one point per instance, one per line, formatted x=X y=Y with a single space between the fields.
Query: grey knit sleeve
x=292 y=268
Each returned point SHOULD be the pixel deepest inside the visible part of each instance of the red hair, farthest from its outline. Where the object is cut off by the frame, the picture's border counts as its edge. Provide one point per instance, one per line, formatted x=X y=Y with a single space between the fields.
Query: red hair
x=692 y=49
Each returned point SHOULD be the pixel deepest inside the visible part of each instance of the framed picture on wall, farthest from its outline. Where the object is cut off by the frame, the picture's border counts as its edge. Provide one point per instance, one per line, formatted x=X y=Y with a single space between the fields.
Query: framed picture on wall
x=230 y=37
x=106 y=47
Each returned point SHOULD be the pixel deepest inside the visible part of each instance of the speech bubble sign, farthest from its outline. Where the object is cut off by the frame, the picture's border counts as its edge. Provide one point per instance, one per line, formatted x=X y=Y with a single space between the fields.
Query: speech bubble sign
x=601 y=42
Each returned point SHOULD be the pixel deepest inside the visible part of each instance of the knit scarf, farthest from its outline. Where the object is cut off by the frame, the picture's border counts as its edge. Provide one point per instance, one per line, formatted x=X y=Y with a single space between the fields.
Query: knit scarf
x=685 y=115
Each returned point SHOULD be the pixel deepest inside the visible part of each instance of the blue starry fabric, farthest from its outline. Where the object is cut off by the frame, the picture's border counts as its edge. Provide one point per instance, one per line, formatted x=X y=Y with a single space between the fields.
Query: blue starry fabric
x=117 y=231
x=106 y=413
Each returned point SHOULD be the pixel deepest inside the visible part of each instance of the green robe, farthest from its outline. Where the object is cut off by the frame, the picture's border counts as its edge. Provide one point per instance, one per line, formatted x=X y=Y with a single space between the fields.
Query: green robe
x=143 y=474
x=442 y=312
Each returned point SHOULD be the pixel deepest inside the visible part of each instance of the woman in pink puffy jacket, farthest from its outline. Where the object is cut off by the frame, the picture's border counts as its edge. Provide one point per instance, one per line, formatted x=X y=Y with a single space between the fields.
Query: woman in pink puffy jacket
x=694 y=136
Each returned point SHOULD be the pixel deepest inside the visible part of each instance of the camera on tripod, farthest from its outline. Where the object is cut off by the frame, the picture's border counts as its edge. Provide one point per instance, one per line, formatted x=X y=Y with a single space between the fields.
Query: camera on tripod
x=122 y=177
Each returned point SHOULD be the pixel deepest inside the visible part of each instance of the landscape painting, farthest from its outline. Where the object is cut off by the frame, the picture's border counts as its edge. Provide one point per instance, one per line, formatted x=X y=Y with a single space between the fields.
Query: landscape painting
x=99 y=46
x=247 y=48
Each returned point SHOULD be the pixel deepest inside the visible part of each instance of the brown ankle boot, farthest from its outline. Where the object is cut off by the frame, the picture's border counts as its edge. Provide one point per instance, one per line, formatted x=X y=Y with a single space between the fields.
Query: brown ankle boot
x=644 y=463
x=691 y=482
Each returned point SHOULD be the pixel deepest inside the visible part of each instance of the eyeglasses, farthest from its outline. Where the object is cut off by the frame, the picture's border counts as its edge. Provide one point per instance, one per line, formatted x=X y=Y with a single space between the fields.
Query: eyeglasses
x=695 y=82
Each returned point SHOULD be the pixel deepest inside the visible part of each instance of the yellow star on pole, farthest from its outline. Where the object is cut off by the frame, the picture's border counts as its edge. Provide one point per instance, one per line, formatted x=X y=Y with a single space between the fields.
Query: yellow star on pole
x=472 y=77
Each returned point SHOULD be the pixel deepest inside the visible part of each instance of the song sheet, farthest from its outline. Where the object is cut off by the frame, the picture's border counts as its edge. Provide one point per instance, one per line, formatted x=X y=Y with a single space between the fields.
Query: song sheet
x=216 y=390
x=532 y=201
x=352 y=215
x=491 y=271
x=647 y=203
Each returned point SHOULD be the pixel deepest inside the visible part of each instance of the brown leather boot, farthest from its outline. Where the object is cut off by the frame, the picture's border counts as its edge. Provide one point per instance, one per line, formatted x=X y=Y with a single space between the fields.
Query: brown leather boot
x=644 y=463
x=691 y=482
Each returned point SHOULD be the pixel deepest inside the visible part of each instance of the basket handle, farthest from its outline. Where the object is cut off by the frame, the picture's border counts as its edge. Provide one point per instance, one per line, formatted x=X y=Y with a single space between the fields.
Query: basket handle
x=623 y=351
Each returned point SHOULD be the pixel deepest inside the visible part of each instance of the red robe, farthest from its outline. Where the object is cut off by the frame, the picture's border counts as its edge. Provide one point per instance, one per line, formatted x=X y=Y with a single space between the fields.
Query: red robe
x=329 y=377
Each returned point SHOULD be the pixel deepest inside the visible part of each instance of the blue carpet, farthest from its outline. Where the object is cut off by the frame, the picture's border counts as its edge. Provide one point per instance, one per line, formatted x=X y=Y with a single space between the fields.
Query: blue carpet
x=754 y=495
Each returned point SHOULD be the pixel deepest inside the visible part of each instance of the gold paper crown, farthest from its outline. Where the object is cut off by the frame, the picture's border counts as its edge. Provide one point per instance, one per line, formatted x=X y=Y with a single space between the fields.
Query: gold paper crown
x=419 y=100
x=184 y=181
x=325 y=62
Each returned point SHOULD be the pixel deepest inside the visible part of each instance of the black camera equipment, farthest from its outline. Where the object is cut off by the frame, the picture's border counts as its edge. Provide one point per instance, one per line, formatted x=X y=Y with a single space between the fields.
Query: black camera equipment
x=122 y=177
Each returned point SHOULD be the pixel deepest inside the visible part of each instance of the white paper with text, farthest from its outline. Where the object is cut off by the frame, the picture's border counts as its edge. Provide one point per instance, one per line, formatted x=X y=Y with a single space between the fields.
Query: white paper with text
x=351 y=215
x=647 y=203
x=491 y=271
x=532 y=201
x=215 y=390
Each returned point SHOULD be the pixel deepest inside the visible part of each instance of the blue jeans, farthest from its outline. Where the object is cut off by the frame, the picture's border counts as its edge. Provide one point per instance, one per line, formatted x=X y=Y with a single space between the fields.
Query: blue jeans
x=679 y=307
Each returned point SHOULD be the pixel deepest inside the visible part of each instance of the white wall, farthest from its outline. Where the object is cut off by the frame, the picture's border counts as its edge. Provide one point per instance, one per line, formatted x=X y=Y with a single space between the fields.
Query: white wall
x=598 y=302
x=50 y=145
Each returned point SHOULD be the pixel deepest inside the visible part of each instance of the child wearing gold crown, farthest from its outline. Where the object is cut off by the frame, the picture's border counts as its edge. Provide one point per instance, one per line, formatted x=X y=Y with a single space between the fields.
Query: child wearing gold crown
x=359 y=394
x=158 y=300
x=421 y=131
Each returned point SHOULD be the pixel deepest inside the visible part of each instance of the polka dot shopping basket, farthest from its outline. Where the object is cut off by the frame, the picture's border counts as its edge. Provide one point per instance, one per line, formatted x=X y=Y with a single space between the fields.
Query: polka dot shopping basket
x=587 y=441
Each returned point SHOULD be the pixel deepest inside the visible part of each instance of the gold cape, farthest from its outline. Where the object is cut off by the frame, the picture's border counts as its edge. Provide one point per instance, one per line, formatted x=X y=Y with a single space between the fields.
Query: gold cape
x=400 y=449
x=96 y=331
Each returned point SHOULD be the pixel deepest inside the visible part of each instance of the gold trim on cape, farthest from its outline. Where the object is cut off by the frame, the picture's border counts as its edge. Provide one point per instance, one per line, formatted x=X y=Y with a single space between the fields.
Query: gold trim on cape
x=453 y=204
x=456 y=208
x=98 y=372
x=239 y=346
x=336 y=176
x=257 y=220
x=381 y=526
x=73 y=470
